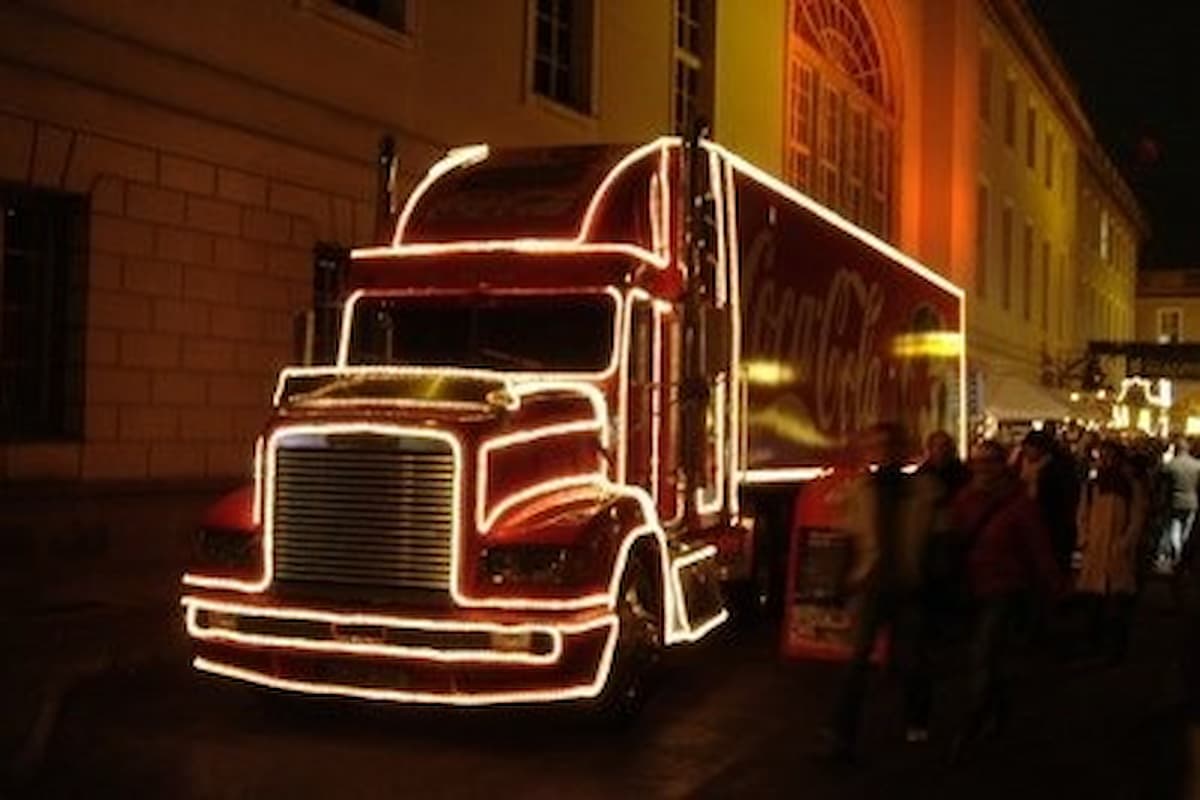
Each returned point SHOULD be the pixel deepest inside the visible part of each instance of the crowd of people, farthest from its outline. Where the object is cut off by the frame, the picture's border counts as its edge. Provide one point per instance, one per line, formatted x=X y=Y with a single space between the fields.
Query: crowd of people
x=995 y=544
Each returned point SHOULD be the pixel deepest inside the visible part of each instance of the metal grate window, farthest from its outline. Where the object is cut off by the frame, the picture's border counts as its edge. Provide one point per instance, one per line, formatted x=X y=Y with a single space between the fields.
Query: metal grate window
x=562 y=58
x=42 y=295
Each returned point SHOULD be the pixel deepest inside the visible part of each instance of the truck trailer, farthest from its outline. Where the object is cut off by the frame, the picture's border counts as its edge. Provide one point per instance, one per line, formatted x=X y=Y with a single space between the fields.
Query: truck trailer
x=572 y=405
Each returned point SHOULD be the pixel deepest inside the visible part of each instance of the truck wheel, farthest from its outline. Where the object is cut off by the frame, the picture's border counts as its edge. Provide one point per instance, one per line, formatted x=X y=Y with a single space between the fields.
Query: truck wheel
x=639 y=642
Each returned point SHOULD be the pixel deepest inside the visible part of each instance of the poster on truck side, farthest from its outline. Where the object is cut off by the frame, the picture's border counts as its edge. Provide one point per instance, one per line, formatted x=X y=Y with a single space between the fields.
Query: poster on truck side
x=821 y=606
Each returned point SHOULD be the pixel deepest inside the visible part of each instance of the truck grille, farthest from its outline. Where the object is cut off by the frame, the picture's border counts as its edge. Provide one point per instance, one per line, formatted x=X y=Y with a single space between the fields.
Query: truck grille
x=369 y=510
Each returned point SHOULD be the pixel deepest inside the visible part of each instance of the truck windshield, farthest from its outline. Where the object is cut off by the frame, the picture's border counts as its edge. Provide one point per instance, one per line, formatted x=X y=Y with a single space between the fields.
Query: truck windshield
x=559 y=333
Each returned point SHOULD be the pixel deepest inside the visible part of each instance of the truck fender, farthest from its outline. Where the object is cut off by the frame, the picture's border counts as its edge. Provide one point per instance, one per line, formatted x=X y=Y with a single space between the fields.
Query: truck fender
x=232 y=511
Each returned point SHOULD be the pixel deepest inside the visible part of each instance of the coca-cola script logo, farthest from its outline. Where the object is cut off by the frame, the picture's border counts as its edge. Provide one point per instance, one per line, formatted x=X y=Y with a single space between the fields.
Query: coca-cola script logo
x=827 y=338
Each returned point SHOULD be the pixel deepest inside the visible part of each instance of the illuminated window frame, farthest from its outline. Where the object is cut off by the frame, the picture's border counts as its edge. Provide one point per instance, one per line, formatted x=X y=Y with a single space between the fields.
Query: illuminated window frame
x=840 y=129
x=691 y=77
x=1105 y=239
x=987 y=69
x=1007 y=233
x=983 y=237
x=1046 y=262
x=1031 y=137
x=1168 y=333
x=562 y=53
x=1027 y=239
x=1049 y=161
x=1010 y=110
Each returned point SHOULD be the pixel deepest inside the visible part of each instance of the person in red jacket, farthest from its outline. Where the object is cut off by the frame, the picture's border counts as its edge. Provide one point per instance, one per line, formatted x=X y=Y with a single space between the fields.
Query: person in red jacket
x=1009 y=557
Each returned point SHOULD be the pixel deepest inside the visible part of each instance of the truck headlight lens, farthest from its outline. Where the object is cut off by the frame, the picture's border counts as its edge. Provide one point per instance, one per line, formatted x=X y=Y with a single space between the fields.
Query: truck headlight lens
x=225 y=549
x=529 y=565
x=512 y=642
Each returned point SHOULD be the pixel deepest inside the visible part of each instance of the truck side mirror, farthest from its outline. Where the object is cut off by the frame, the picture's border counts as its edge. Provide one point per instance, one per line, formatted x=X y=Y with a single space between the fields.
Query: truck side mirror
x=718 y=345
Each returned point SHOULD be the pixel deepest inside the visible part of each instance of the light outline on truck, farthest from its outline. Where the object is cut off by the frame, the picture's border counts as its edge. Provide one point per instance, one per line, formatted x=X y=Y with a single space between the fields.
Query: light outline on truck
x=773 y=183
x=343 y=357
x=675 y=629
x=193 y=605
x=473 y=154
x=456 y=158
x=577 y=692
x=485 y=518
x=678 y=627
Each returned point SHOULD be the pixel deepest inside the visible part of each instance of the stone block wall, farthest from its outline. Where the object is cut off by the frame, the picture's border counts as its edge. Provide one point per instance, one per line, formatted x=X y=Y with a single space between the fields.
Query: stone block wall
x=195 y=269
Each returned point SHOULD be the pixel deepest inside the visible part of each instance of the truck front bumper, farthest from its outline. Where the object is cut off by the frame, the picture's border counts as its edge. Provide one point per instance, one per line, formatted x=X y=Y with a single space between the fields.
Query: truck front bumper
x=451 y=657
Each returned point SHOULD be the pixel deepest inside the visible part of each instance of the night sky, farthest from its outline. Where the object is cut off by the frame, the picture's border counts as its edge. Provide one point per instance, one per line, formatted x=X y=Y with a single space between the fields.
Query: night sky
x=1137 y=65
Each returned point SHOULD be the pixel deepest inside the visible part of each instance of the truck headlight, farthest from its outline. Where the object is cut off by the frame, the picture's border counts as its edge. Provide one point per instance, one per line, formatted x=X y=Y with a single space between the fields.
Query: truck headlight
x=226 y=550
x=530 y=565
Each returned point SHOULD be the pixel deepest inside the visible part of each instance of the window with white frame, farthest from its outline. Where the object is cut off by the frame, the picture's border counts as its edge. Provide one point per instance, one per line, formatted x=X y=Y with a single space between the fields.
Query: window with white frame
x=982 y=236
x=1031 y=139
x=1170 y=325
x=985 y=84
x=693 y=64
x=562 y=53
x=1027 y=272
x=1010 y=111
x=1105 y=235
x=840 y=121
x=1062 y=294
x=1046 y=286
x=1049 y=160
x=1006 y=255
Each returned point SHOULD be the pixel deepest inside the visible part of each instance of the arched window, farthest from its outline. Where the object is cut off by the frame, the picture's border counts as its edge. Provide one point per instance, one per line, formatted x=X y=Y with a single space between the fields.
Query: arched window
x=841 y=124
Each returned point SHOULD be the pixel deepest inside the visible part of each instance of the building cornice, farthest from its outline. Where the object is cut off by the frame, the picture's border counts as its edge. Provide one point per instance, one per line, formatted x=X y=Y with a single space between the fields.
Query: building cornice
x=1169 y=283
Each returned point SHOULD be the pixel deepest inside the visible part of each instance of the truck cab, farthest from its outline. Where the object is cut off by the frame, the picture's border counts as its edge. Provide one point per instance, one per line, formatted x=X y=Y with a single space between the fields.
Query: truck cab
x=482 y=500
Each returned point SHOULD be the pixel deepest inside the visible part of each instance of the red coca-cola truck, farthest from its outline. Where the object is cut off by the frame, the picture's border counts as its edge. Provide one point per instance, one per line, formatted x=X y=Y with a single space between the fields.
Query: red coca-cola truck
x=572 y=405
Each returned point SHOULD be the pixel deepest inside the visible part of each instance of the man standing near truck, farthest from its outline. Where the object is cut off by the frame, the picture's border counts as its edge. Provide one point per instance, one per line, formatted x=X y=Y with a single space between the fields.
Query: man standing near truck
x=891 y=516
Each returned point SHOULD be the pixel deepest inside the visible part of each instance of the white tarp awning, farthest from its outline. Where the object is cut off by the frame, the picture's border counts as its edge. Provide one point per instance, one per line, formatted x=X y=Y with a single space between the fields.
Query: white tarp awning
x=1011 y=398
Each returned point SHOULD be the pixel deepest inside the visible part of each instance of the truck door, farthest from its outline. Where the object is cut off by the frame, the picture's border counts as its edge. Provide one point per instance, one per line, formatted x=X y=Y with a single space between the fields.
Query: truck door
x=640 y=401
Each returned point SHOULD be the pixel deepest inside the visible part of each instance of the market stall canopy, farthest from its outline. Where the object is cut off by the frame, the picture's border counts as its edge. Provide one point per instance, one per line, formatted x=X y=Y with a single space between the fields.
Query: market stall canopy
x=1011 y=398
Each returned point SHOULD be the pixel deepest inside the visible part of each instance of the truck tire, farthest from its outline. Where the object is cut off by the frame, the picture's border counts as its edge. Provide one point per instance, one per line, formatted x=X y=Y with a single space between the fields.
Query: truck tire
x=639 y=645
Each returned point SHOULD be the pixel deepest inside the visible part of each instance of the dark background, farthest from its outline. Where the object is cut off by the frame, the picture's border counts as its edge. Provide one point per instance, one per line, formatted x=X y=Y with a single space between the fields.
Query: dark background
x=1137 y=69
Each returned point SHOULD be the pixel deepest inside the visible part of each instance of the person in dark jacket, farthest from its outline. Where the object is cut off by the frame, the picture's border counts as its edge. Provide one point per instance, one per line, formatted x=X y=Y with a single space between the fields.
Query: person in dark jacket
x=942 y=462
x=1050 y=478
x=945 y=595
x=1008 y=558
x=890 y=516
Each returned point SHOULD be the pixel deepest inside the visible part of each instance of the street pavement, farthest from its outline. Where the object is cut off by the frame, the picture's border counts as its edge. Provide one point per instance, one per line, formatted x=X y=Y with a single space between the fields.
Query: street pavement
x=105 y=705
